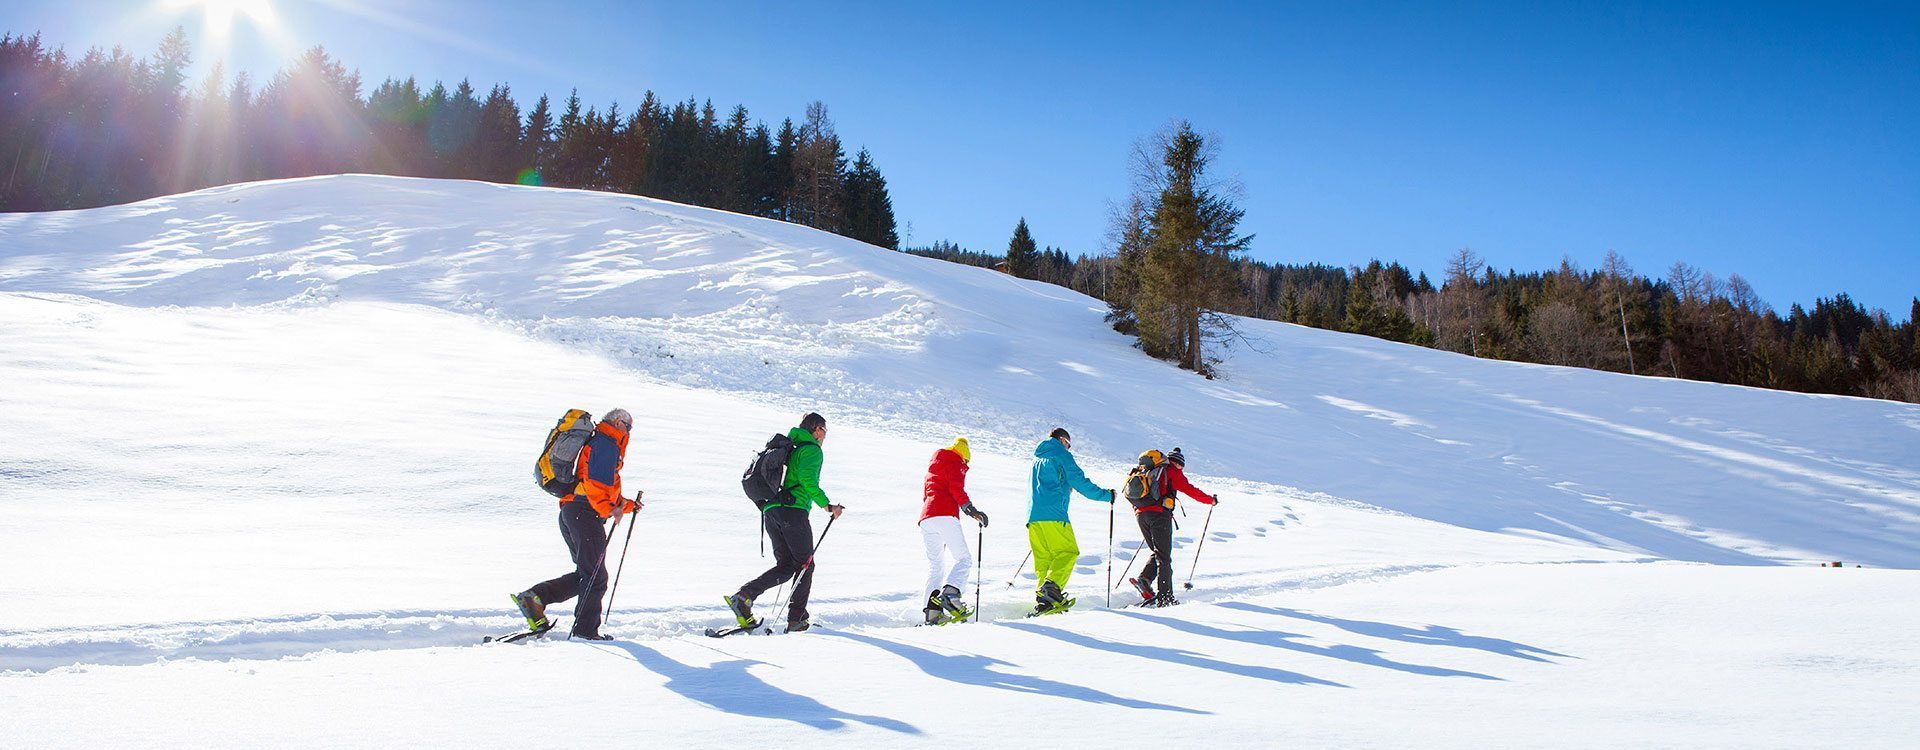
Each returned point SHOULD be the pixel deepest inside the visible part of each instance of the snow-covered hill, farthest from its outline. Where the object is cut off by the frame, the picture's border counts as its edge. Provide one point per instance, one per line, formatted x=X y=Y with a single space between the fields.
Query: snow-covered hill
x=274 y=422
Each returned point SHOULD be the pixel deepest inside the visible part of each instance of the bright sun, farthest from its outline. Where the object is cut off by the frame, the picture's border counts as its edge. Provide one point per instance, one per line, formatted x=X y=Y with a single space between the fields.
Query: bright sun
x=220 y=13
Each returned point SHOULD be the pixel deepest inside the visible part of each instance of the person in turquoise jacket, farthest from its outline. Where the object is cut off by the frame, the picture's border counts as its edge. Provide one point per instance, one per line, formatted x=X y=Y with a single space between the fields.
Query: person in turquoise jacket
x=1056 y=476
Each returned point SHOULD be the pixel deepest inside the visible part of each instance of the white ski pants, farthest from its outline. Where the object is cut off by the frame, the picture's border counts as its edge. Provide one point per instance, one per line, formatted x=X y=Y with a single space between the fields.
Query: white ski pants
x=943 y=533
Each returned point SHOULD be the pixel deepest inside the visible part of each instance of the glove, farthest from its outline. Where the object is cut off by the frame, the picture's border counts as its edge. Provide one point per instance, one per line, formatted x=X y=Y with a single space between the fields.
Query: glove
x=1216 y=499
x=1112 y=495
x=975 y=514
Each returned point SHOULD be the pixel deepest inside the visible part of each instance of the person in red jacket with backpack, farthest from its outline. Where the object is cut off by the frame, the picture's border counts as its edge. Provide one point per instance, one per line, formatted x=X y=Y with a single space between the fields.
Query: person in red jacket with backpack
x=1160 y=477
x=945 y=496
x=583 y=515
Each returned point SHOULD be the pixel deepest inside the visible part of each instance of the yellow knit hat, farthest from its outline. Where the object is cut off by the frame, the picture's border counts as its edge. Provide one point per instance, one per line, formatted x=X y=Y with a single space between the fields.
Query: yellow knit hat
x=960 y=446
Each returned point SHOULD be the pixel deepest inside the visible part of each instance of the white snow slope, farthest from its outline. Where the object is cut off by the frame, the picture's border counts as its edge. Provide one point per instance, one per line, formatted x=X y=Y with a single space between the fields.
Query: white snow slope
x=263 y=458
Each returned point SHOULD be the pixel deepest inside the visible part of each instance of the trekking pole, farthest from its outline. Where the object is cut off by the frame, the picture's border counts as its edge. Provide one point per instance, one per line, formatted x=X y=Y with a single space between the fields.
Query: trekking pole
x=808 y=565
x=1016 y=571
x=1202 y=545
x=595 y=578
x=1131 y=561
x=624 y=546
x=1110 y=499
x=979 y=566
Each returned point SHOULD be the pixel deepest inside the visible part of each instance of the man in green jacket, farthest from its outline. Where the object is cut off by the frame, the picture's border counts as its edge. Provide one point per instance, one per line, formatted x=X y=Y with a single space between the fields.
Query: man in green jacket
x=1056 y=476
x=788 y=529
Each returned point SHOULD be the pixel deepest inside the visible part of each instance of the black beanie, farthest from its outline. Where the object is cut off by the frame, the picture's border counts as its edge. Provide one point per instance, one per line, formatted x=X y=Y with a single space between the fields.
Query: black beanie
x=1177 y=458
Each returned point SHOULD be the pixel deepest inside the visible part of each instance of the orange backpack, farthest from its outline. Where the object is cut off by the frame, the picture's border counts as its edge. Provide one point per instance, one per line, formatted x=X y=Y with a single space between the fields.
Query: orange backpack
x=1146 y=484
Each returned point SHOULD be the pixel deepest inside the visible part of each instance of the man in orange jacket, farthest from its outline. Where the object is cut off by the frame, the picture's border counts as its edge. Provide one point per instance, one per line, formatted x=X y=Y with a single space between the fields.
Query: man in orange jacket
x=583 y=517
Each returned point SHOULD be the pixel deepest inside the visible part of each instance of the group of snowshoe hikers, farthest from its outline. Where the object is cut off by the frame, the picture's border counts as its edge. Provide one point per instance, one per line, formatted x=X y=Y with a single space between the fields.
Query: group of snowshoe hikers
x=581 y=466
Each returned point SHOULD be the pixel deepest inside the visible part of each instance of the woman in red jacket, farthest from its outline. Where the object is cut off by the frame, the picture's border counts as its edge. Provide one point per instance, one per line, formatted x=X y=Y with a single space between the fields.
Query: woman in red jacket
x=945 y=493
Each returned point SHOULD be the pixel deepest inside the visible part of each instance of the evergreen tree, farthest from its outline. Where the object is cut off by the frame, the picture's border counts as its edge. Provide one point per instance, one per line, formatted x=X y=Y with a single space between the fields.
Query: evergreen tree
x=452 y=130
x=397 y=116
x=631 y=144
x=1192 y=241
x=570 y=146
x=312 y=114
x=760 y=186
x=498 y=150
x=433 y=161
x=728 y=162
x=1022 y=258
x=781 y=172
x=869 y=210
x=1128 y=230
x=536 y=142
x=818 y=164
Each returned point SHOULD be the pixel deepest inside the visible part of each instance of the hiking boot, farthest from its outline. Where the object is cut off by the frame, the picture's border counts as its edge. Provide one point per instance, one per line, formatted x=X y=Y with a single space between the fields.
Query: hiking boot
x=933 y=609
x=742 y=608
x=949 y=600
x=1145 y=589
x=1050 y=594
x=531 y=609
x=592 y=637
x=797 y=626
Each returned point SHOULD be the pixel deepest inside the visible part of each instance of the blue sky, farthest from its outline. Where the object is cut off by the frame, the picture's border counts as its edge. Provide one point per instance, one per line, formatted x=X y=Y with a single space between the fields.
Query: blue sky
x=1777 y=141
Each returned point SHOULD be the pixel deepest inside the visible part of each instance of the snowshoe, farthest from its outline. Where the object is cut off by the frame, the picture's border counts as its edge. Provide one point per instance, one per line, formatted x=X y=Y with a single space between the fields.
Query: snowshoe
x=531 y=609
x=798 y=626
x=1054 y=609
x=955 y=608
x=1163 y=600
x=592 y=637
x=1050 y=599
x=520 y=636
x=948 y=618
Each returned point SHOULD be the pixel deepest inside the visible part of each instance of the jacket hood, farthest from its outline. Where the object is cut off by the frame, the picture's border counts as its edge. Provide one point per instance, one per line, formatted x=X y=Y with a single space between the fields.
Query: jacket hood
x=618 y=435
x=1049 y=448
x=801 y=437
x=949 y=457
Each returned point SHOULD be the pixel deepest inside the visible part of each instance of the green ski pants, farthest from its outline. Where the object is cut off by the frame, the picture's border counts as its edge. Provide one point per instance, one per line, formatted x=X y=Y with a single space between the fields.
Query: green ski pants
x=1054 y=552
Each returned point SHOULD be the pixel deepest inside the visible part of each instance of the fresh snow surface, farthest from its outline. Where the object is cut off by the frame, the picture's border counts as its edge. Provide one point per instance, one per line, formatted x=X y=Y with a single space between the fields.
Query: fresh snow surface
x=263 y=481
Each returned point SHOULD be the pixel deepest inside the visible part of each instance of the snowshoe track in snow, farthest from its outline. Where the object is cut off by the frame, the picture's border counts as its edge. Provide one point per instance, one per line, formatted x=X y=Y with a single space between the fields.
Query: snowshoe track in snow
x=297 y=636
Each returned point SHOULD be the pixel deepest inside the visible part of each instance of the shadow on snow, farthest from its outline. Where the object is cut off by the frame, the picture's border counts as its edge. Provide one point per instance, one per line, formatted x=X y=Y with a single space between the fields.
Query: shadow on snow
x=1171 y=655
x=729 y=686
x=1431 y=635
x=973 y=669
x=1280 y=640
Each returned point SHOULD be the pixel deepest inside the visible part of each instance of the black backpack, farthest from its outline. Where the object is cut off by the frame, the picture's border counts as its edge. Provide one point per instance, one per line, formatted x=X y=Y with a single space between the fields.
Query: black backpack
x=767 y=474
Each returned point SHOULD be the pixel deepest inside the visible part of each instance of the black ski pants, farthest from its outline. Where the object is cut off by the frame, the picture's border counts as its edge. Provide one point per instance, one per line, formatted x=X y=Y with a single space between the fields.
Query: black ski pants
x=791 y=536
x=1157 y=528
x=586 y=540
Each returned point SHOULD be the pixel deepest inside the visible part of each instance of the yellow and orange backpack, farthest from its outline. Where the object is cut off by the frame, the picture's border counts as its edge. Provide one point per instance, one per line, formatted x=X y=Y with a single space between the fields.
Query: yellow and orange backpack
x=1146 y=484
